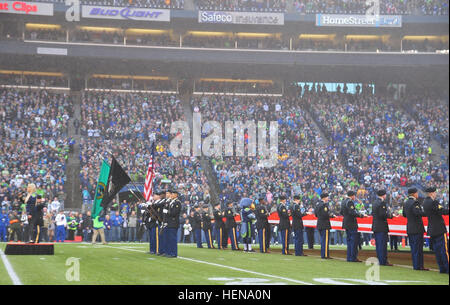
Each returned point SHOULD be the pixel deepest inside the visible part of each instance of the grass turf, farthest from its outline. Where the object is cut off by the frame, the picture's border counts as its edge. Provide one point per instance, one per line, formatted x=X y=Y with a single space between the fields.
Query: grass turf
x=130 y=264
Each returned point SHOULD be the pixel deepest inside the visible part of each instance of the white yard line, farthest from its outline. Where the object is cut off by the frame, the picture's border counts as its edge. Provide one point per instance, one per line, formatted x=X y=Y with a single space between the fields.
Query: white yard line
x=221 y=266
x=12 y=274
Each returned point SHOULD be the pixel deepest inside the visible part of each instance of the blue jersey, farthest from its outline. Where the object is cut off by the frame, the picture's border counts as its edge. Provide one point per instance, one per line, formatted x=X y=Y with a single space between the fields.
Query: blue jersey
x=4 y=220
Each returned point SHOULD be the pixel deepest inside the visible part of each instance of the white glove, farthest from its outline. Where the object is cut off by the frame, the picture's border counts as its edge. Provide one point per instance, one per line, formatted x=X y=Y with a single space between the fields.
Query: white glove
x=165 y=211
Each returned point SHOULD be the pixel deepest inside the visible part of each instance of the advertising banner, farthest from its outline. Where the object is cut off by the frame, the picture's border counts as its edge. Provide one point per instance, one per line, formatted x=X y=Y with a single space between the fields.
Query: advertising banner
x=27 y=8
x=125 y=13
x=240 y=18
x=380 y=21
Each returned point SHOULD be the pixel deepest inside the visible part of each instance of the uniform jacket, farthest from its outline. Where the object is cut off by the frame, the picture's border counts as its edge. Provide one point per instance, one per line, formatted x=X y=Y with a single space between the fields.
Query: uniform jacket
x=229 y=214
x=285 y=223
x=323 y=215
x=413 y=213
x=350 y=214
x=218 y=215
x=197 y=221
x=172 y=217
x=380 y=215
x=262 y=215
x=206 y=221
x=434 y=211
x=297 y=214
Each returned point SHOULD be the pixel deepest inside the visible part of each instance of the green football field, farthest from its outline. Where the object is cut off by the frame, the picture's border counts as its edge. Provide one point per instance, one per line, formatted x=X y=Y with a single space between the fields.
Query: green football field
x=130 y=263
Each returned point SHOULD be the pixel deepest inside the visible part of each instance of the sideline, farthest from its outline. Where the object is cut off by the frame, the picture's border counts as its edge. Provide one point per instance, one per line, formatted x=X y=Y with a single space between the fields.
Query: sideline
x=15 y=279
x=218 y=265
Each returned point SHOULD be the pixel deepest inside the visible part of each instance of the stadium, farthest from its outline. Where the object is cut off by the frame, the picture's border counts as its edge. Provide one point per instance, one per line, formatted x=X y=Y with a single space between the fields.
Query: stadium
x=137 y=131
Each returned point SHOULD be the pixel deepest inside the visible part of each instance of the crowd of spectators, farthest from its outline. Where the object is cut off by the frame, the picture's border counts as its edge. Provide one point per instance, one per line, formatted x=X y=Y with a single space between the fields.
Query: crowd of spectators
x=152 y=40
x=242 y=5
x=424 y=45
x=129 y=84
x=327 y=141
x=46 y=34
x=238 y=87
x=15 y=79
x=387 y=7
x=97 y=37
x=127 y=125
x=34 y=134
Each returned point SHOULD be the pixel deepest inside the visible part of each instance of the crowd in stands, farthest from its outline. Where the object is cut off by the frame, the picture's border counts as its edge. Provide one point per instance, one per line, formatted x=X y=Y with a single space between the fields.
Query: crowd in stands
x=129 y=84
x=242 y=5
x=34 y=134
x=387 y=7
x=127 y=125
x=327 y=142
x=33 y=80
x=46 y=34
x=152 y=40
x=98 y=37
x=424 y=45
x=238 y=87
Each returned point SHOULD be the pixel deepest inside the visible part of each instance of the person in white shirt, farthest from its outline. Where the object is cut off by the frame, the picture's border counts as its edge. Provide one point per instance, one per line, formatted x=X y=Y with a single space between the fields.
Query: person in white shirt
x=55 y=205
x=61 y=224
x=187 y=231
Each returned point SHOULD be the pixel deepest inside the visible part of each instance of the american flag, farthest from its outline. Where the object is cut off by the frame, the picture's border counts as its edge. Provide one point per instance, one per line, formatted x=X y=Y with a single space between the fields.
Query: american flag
x=150 y=175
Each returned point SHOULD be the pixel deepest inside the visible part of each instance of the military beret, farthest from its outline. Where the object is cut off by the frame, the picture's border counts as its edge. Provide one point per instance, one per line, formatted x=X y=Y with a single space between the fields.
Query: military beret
x=205 y=206
x=38 y=197
x=430 y=189
x=351 y=193
x=324 y=195
x=412 y=190
x=296 y=197
x=381 y=192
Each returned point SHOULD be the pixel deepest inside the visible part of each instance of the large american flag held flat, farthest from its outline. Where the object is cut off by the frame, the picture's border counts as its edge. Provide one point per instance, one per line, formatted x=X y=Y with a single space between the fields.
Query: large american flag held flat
x=149 y=178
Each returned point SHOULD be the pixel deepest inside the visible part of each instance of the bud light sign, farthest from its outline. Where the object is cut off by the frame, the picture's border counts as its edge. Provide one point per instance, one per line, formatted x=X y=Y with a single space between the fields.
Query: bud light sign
x=240 y=18
x=125 y=13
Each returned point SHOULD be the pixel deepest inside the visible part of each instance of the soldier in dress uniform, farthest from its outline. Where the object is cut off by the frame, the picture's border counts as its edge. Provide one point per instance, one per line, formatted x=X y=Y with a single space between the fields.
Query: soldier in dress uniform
x=413 y=212
x=297 y=226
x=380 y=227
x=38 y=218
x=171 y=221
x=150 y=219
x=230 y=225
x=436 y=228
x=207 y=226
x=284 y=226
x=219 y=227
x=323 y=215
x=263 y=226
x=350 y=225
x=160 y=207
x=197 y=226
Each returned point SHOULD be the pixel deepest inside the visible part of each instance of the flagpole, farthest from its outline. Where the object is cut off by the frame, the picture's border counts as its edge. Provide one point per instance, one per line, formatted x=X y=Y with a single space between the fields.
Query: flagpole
x=139 y=192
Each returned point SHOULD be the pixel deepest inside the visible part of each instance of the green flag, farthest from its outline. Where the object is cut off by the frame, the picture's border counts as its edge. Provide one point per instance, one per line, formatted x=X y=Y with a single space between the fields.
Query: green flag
x=100 y=189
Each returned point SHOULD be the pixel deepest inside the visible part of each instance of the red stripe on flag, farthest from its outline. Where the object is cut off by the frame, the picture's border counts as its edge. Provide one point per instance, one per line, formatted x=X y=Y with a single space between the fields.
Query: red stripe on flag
x=149 y=181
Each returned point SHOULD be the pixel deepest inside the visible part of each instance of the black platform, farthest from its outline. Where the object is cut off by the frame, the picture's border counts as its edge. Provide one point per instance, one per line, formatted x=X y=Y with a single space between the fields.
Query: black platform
x=29 y=249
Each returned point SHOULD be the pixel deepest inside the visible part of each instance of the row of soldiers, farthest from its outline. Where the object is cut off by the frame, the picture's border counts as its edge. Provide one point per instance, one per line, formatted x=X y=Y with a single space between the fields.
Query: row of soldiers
x=162 y=215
